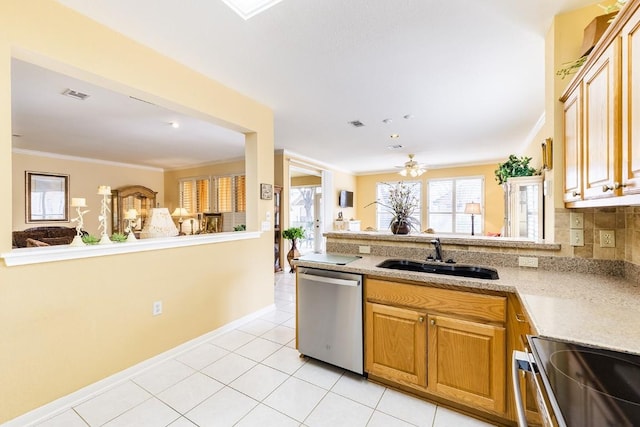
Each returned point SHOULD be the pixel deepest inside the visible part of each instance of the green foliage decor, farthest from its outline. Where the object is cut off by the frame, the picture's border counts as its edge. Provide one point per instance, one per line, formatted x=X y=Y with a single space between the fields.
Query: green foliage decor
x=401 y=204
x=118 y=237
x=88 y=239
x=515 y=166
x=293 y=233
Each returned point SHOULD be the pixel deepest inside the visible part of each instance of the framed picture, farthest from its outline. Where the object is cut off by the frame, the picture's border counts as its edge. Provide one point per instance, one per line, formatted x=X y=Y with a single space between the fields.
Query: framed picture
x=46 y=197
x=266 y=191
x=547 y=154
x=212 y=223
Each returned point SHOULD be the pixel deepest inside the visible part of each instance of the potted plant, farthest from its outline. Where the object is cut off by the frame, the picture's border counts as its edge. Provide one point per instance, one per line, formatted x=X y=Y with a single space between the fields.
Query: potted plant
x=293 y=234
x=401 y=204
x=515 y=166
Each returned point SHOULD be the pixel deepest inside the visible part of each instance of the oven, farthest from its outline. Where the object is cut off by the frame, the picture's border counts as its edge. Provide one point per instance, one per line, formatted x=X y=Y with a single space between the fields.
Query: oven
x=578 y=385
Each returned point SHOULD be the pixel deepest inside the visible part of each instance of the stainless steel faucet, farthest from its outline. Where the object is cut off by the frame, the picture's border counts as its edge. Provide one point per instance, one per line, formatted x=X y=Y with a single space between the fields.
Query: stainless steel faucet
x=438 y=247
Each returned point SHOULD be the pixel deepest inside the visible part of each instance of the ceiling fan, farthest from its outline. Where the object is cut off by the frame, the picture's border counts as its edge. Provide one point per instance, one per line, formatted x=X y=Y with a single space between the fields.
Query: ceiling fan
x=412 y=168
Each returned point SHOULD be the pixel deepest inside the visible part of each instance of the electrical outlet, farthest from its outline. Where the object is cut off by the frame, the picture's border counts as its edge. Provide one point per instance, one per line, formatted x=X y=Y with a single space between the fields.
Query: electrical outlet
x=157 y=308
x=528 y=261
x=576 y=220
x=364 y=249
x=607 y=238
x=576 y=237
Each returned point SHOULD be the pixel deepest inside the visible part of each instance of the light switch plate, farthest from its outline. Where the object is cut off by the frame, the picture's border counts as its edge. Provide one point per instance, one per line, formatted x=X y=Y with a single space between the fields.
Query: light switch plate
x=577 y=237
x=607 y=238
x=576 y=220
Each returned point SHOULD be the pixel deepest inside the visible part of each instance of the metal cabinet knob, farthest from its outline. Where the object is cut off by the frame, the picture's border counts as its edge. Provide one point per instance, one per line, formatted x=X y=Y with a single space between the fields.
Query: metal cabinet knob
x=420 y=319
x=575 y=193
x=616 y=185
x=433 y=322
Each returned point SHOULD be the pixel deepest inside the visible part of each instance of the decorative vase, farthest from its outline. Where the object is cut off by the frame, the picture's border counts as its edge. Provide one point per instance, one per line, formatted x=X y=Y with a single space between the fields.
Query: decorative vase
x=400 y=228
x=293 y=253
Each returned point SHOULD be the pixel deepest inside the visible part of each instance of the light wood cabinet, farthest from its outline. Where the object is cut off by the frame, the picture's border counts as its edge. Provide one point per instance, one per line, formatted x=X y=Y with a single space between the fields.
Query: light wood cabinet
x=396 y=343
x=137 y=197
x=573 y=146
x=467 y=362
x=601 y=120
x=444 y=343
x=518 y=327
x=601 y=137
x=630 y=41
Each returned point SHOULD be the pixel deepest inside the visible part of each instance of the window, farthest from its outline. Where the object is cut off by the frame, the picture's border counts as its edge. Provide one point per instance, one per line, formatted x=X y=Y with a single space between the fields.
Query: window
x=195 y=195
x=446 y=202
x=214 y=194
x=383 y=215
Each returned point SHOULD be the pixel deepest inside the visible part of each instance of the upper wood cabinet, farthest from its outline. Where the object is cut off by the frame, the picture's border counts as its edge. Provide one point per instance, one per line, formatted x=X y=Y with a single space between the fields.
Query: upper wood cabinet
x=630 y=40
x=601 y=137
x=573 y=146
x=602 y=120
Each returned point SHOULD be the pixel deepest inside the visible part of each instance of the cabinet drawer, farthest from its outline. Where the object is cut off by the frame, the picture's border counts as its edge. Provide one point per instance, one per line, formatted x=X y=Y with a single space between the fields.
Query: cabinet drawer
x=477 y=306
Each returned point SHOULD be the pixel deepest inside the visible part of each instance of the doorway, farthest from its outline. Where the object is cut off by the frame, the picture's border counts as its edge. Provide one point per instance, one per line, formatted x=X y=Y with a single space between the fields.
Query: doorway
x=305 y=207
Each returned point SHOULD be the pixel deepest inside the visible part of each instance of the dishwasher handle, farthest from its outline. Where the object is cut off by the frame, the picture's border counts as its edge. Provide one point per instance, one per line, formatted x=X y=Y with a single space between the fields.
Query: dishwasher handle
x=328 y=280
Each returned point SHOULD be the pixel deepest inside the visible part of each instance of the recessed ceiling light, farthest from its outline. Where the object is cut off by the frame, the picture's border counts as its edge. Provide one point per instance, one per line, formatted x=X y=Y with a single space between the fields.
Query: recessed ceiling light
x=356 y=123
x=387 y=121
x=409 y=116
x=394 y=136
x=175 y=125
x=394 y=147
x=248 y=8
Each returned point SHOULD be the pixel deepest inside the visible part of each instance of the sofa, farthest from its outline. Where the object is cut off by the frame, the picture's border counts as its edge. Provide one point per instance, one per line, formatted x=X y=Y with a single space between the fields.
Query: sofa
x=43 y=236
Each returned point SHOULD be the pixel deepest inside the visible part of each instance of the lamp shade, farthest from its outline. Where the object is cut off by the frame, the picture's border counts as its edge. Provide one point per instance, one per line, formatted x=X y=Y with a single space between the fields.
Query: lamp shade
x=78 y=202
x=472 y=208
x=179 y=212
x=159 y=224
x=131 y=214
x=104 y=190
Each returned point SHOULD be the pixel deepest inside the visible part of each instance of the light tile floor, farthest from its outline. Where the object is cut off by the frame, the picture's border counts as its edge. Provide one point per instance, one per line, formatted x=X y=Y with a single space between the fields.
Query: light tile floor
x=253 y=376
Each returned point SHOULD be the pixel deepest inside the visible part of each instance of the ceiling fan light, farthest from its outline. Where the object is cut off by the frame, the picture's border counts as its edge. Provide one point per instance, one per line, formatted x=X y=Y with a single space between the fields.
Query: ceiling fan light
x=403 y=172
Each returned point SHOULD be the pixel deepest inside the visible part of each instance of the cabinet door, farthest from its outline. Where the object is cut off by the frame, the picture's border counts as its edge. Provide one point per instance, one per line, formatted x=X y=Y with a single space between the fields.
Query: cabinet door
x=467 y=362
x=396 y=344
x=602 y=126
x=573 y=146
x=631 y=106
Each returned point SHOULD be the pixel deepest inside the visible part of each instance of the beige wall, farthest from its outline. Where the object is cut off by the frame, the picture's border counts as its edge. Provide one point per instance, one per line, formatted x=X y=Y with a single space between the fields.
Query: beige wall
x=68 y=324
x=84 y=179
x=493 y=197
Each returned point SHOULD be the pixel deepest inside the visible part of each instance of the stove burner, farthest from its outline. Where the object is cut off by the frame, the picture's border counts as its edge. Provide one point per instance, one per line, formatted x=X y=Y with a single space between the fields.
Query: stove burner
x=607 y=374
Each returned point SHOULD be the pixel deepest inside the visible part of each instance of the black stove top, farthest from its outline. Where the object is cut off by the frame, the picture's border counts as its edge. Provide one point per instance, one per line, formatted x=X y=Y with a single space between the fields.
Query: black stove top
x=591 y=386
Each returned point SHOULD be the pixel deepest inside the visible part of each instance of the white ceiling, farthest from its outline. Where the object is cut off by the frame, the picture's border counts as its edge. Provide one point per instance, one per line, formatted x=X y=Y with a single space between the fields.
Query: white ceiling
x=470 y=72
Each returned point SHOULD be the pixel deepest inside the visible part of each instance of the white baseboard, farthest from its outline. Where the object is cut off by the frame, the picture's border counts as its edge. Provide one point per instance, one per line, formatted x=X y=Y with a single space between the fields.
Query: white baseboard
x=64 y=403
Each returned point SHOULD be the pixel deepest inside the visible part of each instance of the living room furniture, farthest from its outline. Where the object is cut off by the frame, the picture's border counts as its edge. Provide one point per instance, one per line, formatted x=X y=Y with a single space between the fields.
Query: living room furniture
x=50 y=236
x=137 y=197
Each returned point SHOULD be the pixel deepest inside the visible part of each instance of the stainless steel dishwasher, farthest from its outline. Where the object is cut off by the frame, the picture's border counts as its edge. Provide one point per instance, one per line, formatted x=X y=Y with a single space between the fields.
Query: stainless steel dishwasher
x=330 y=317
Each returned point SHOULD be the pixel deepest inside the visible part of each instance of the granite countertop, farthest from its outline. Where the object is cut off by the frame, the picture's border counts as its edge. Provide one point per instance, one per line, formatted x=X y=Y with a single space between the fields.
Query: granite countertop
x=585 y=308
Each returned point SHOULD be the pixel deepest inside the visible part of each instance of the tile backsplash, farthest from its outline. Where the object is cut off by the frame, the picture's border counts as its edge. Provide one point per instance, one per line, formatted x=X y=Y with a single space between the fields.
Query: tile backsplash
x=624 y=221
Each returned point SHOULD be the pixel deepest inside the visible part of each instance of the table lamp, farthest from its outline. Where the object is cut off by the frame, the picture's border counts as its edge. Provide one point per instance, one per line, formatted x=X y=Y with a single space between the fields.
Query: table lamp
x=473 y=209
x=131 y=216
x=179 y=213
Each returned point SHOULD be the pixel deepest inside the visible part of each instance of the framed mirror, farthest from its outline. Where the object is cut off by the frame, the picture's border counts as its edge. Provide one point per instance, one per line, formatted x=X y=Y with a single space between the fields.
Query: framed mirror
x=46 y=197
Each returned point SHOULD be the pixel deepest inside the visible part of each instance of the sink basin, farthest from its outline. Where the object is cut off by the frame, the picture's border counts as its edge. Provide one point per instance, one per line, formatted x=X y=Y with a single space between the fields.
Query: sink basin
x=441 y=268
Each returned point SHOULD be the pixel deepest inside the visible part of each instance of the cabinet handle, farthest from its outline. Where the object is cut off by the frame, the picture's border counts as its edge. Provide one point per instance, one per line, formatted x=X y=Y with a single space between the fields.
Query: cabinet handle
x=616 y=185
x=420 y=319
x=520 y=318
x=433 y=322
x=575 y=193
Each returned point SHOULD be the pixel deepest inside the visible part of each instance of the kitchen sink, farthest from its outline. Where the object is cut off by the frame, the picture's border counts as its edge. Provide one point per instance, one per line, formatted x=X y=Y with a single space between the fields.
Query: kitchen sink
x=441 y=268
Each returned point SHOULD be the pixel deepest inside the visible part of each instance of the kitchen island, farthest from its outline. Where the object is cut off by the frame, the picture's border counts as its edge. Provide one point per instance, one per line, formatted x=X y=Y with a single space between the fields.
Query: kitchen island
x=599 y=310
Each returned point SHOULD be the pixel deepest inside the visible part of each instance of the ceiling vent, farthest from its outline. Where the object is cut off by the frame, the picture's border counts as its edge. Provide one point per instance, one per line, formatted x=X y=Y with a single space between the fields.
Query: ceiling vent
x=356 y=124
x=75 y=95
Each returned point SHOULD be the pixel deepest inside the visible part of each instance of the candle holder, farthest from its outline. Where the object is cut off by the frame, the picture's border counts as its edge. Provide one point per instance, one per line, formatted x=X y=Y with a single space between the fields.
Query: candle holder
x=105 y=192
x=78 y=203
